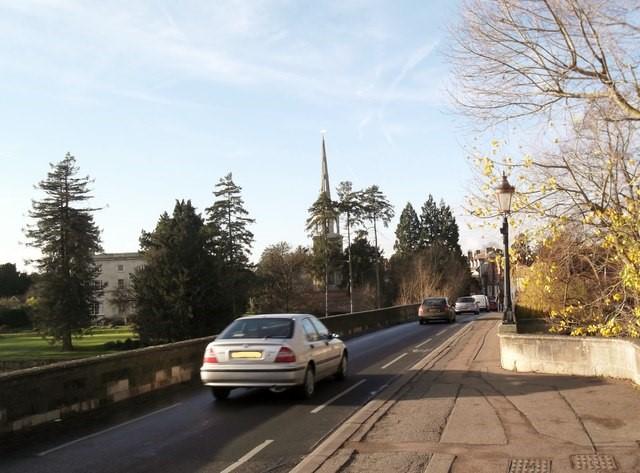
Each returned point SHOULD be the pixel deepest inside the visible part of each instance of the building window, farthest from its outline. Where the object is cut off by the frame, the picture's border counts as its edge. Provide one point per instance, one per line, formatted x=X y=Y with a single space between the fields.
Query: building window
x=120 y=283
x=121 y=268
x=97 y=284
x=94 y=308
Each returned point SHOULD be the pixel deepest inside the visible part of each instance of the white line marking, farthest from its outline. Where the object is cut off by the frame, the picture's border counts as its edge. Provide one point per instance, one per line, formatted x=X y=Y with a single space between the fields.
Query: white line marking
x=441 y=331
x=423 y=343
x=394 y=360
x=322 y=406
x=95 y=434
x=247 y=457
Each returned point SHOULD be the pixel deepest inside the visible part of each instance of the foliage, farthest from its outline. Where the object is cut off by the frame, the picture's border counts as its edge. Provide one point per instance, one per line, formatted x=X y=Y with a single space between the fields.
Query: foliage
x=177 y=292
x=14 y=315
x=12 y=281
x=350 y=205
x=228 y=222
x=376 y=208
x=67 y=237
x=281 y=278
x=363 y=260
x=408 y=231
x=326 y=251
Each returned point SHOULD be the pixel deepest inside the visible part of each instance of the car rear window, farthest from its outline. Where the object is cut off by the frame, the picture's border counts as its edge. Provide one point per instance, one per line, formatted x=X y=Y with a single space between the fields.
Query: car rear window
x=466 y=299
x=434 y=302
x=258 y=328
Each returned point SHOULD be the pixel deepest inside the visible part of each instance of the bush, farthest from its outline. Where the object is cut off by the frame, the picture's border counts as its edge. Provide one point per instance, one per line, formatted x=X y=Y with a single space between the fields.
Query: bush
x=14 y=317
x=128 y=344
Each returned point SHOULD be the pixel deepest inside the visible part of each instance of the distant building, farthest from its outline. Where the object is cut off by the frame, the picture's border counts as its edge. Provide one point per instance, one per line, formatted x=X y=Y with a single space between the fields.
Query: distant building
x=333 y=235
x=486 y=271
x=117 y=302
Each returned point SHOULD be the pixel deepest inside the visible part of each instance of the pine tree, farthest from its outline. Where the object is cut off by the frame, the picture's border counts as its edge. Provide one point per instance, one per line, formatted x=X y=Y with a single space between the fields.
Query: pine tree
x=228 y=222
x=176 y=290
x=408 y=232
x=349 y=205
x=448 y=233
x=376 y=208
x=67 y=238
x=429 y=218
x=321 y=213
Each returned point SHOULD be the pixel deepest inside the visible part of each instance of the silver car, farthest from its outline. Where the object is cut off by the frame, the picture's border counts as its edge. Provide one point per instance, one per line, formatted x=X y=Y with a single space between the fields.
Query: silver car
x=467 y=304
x=273 y=351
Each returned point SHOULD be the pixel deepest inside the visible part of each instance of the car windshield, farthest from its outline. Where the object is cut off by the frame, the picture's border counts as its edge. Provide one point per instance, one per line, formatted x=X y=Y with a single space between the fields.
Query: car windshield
x=258 y=328
x=466 y=299
x=434 y=302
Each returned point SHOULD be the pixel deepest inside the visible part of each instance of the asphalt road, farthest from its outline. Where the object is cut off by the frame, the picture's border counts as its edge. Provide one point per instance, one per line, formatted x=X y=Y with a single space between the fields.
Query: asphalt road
x=255 y=431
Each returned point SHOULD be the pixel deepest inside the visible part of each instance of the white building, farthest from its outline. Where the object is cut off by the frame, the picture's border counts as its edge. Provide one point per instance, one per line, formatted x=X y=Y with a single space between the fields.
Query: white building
x=117 y=302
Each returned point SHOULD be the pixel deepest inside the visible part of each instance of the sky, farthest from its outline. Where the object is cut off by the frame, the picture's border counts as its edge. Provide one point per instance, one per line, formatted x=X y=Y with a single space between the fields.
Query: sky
x=159 y=100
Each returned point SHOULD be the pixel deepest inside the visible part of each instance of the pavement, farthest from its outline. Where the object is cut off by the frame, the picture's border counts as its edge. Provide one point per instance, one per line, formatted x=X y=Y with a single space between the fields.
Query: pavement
x=458 y=411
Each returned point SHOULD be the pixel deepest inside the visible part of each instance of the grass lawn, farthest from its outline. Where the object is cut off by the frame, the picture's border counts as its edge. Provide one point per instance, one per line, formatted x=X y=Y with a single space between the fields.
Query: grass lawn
x=24 y=346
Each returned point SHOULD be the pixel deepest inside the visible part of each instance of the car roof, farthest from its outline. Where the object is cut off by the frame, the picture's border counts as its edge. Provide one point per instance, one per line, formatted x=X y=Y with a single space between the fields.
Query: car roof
x=274 y=316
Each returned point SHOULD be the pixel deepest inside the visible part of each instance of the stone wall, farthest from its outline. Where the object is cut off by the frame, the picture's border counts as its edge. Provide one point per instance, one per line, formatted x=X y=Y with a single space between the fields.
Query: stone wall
x=35 y=396
x=560 y=354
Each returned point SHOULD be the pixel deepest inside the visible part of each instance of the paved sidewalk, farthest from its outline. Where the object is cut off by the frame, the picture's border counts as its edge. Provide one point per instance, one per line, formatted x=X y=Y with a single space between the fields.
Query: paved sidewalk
x=462 y=413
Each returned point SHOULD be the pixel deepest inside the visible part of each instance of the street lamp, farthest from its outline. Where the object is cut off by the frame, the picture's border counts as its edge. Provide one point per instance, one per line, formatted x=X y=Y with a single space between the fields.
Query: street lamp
x=504 y=193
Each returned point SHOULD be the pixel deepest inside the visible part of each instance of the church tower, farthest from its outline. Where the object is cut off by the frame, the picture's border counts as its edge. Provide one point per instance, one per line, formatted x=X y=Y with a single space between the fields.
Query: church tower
x=325 y=188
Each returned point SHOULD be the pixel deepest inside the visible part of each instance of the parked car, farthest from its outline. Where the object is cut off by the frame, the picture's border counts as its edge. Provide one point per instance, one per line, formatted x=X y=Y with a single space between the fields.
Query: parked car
x=273 y=351
x=436 y=308
x=483 y=302
x=466 y=304
x=493 y=304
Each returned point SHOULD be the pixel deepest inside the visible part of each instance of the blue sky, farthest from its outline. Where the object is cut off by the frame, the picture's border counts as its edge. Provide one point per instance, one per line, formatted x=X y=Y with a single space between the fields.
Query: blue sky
x=158 y=100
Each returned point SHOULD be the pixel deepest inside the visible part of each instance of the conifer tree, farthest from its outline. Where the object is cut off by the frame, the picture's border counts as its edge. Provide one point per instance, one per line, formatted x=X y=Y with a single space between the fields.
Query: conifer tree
x=176 y=290
x=376 y=208
x=321 y=213
x=429 y=223
x=228 y=222
x=349 y=205
x=68 y=238
x=408 y=231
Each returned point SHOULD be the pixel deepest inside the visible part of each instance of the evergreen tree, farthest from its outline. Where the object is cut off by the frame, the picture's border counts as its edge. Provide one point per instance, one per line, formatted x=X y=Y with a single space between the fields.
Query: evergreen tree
x=429 y=223
x=321 y=213
x=176 y=291
x=448 y=233
x=12 y=281
x=408 y=232
x=228 y=223
x=376 y=208
x=364 y=256
x=349 y=205
x=68 y=238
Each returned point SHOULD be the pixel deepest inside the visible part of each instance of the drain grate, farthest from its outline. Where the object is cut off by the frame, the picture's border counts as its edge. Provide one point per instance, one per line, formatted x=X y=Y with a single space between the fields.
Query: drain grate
x=593 y=462
x=530 y=465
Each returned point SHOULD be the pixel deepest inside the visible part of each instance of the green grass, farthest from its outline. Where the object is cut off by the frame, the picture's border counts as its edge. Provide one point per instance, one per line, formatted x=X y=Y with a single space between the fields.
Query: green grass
x=27 y=346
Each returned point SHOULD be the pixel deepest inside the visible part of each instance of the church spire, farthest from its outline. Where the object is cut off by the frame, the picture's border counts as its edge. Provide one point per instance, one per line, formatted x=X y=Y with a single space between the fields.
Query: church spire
x=325 y=188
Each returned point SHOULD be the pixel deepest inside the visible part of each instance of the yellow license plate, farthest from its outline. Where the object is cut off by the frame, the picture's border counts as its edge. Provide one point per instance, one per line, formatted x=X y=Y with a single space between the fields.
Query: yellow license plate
x=246 y=355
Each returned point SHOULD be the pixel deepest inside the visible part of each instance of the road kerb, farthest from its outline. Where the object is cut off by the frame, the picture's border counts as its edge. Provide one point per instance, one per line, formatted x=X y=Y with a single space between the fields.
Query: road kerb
x=379 y=405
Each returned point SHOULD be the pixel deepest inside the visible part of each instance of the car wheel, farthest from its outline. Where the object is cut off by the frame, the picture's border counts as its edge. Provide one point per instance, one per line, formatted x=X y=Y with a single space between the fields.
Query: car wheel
x=477 y=312
x=341 y=374
x=309 y=384
x=220 y=394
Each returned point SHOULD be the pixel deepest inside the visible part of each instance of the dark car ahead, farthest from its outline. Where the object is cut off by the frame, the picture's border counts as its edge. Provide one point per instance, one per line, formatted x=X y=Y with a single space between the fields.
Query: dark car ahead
x=493 y=304
x=436 y=308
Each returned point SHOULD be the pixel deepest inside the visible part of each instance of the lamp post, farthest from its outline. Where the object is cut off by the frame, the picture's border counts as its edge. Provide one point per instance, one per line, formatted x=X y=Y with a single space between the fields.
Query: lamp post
x=504 y=193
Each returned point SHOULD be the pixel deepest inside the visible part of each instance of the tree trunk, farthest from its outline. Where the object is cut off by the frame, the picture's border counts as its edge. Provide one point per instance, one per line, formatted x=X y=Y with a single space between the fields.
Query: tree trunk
x=350 y=266
x=67 y=344
x=375 y=239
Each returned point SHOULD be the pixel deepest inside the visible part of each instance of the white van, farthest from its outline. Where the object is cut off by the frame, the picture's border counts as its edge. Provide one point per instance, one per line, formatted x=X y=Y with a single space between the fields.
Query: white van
x=483 y=302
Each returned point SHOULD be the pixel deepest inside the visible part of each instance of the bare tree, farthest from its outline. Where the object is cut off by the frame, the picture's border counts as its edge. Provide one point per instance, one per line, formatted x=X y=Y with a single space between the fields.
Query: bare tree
x=516 y=58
